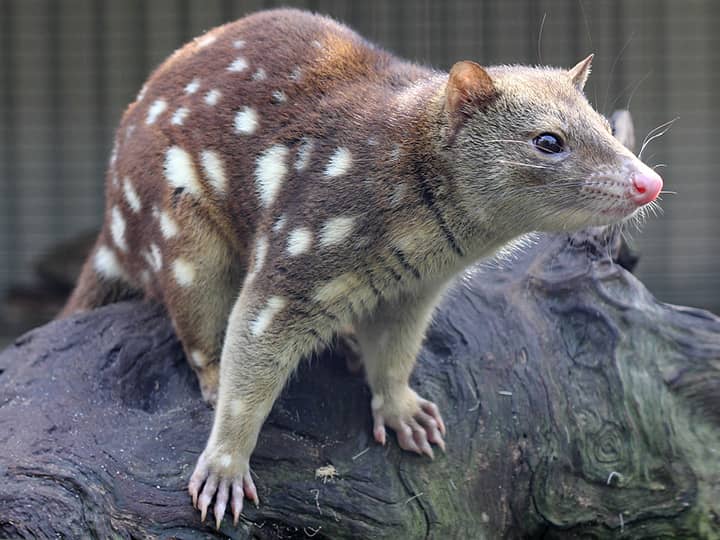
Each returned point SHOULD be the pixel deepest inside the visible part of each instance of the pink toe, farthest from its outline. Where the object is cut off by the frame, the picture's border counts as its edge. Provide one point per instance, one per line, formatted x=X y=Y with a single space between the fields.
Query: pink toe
x=236 y=501
x=250 y=489
x=207 y=495
x=379 y=434
x=221 y=500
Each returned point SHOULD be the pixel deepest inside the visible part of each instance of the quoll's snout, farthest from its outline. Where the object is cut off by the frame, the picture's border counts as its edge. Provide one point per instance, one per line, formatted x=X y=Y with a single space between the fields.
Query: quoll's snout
x=646 y=185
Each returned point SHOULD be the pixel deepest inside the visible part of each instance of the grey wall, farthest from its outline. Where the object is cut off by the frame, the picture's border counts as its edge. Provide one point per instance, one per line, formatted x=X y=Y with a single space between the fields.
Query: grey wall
x=67 y=70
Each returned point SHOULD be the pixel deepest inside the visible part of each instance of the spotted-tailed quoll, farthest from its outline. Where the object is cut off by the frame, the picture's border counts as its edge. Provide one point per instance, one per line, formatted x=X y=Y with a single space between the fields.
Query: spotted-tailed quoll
x=280 y=179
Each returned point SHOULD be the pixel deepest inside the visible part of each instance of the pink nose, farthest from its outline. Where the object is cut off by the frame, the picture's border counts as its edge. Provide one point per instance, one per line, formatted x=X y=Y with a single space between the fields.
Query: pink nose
x=646 y=186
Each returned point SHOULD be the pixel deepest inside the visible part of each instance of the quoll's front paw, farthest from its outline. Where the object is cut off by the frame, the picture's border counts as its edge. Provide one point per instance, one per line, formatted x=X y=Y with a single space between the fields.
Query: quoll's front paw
x=224 y=477
x=416 y=421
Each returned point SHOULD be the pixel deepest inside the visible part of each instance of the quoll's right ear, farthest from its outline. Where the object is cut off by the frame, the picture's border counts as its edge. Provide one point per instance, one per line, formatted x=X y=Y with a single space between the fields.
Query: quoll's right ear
x=469 y=88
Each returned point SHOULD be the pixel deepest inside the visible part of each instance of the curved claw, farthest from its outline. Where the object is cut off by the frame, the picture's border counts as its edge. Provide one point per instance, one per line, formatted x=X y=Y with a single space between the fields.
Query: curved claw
x=236 y=501
x=207 y=494
x=406 y=439
x=432 y=429
x=197 y=479
x=221 y=500
x=429 y=408
x=250 y=489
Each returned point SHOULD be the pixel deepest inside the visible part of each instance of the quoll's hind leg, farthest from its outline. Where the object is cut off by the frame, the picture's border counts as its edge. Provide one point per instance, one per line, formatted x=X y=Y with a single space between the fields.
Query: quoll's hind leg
x=267 y=335
x=102 y=281
x=347 y=346
x=200 y=281
x=390 y=341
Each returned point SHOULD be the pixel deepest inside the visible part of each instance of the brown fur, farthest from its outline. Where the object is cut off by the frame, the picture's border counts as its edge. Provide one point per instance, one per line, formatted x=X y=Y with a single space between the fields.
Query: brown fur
x=441 y=172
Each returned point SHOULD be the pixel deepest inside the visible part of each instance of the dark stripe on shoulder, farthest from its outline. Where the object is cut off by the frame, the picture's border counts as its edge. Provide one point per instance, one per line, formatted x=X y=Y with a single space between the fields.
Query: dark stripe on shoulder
x=393 y=272
x=305 y=301
x=428 y=198
x=400 y=256
x=372 y=286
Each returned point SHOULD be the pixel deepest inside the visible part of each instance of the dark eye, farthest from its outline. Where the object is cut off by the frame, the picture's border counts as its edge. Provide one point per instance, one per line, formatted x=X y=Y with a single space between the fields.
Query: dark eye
x=549 y=143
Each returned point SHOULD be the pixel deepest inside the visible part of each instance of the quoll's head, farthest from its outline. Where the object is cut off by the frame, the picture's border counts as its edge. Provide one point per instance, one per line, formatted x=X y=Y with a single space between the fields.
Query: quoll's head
x=528 y=139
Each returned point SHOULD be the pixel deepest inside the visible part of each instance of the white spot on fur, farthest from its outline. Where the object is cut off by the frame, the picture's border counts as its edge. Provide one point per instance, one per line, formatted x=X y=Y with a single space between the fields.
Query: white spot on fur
x=213 y=167
x=267 y=314
x=372 y=141
x=270 y=172
x=299 y=241
x=129 y=131
x=279 y=225
x=279 y=96
x=225 y=461
x=117 y=228
x=168 y=227
x=303 y=155
x=142 y=93
x=153 y=257
x=192 y=86
x=199 y=359
x=106 y=263
x=131 y=195
x=205 y=41
x=339 y=162
x=237 y=407
x=180 y=170
x=179 y=116
x=156 y=109
x=335 y=230
x=212 y=97
x=259 y=75
x=395 y=152
x=316 y=44
x=296 y=74
x=114 y=154
x=261 y=247
x=239 y=43
x=398 y=194
x=184 y=272
x=238 y=65
x=246 y=121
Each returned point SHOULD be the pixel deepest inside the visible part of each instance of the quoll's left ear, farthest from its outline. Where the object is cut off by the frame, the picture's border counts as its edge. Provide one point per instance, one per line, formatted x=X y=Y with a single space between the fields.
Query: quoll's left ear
x=579 y=74
x=469 y=88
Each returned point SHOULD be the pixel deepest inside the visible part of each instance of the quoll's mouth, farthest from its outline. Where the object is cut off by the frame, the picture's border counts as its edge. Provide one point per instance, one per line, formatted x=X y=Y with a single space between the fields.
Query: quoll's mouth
x=619 y=197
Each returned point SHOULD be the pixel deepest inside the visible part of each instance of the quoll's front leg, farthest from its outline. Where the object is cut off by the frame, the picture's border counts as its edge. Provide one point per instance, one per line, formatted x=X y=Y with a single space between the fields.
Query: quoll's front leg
x=390 y=341
x=262 y=347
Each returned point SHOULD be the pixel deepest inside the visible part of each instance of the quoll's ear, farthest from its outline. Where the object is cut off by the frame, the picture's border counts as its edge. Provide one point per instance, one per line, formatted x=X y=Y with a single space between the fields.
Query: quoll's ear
x=579 y=74
x=469 y=87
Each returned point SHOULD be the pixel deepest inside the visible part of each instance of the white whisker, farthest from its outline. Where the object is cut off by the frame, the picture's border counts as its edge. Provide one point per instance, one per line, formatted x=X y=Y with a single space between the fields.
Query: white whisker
x=655 y=133
x=509 y=162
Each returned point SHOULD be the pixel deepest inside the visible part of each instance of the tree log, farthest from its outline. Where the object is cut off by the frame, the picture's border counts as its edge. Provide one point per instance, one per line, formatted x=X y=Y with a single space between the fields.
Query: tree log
x=577 y=405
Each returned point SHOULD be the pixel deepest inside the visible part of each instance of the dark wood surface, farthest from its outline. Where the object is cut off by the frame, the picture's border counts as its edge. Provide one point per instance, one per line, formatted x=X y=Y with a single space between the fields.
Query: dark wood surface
x=577 y=406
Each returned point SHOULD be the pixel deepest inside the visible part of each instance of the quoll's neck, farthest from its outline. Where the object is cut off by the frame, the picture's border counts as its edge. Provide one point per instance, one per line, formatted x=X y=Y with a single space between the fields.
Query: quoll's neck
x=419 y=159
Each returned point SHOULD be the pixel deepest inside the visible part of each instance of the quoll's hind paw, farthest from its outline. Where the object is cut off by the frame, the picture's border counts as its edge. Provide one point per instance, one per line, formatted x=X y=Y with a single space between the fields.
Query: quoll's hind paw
x=416 y=421
x=210 y=481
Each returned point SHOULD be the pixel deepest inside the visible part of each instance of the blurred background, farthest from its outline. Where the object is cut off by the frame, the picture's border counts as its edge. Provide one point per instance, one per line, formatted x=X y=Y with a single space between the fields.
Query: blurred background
x=68 y=69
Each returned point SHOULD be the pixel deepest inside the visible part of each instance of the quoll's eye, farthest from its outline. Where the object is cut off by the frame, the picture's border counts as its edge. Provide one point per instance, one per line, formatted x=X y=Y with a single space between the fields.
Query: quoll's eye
x=549 y=143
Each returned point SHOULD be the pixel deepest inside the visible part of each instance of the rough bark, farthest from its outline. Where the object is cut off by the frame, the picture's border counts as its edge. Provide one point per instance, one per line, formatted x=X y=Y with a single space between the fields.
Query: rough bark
x=577 y=406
